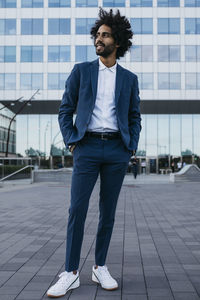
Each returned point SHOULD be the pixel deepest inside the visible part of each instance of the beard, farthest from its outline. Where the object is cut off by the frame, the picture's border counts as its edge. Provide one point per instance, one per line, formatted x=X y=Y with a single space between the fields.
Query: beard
x=105 y=51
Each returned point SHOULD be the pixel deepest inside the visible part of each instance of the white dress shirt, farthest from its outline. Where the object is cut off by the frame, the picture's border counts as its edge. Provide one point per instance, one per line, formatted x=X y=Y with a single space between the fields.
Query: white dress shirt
x=104 y=115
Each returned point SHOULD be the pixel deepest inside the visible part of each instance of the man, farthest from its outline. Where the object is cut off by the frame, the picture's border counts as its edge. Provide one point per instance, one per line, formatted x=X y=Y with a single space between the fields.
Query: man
x=104 y=137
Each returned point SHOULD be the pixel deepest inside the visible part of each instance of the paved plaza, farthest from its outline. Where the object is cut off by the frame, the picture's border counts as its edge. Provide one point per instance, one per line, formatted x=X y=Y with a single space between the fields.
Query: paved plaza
x=154 y=252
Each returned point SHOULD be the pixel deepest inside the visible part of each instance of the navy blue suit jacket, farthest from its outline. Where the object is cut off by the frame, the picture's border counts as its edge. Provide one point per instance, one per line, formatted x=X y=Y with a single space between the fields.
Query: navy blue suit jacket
x=80 y=95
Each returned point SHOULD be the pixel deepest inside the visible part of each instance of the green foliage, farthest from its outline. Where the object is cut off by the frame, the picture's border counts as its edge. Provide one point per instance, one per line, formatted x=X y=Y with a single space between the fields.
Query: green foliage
x=33 y=152
x=186 y=152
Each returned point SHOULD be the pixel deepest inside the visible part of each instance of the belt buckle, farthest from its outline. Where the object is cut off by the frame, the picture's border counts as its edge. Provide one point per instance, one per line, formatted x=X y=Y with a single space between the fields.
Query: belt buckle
x=103 y=137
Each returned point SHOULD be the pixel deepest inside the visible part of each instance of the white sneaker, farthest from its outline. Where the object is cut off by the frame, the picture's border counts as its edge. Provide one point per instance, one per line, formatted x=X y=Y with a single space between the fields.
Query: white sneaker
x=102 y=276
x=67 y=281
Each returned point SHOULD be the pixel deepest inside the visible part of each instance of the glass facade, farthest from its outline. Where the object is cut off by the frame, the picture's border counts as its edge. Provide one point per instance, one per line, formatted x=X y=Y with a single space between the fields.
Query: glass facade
x=169 y=81
x=5 y=117
x=32 y=3
x=85 y=53
x=168 y=26
x=169 y=53
x=7 y=3
x=31 y=26
x=192 y=3
x=31 y=81
x=192 y=81
x=56 y=81
x=59 y=26
x=31 y=53
x=192 y=26
x=141 y=3
x=142 y=25
x=145 y=81
x=44 y=62
x=114 y=3
x=192 y=53
x=83 y=25
x=160 y=135
x=168 y=3
x=86 y=3
x=178 y=130
x=7 y=54
x=7 y=81
x=7 y=26
x=58 y=53
x=141 y=53
x=59 y=3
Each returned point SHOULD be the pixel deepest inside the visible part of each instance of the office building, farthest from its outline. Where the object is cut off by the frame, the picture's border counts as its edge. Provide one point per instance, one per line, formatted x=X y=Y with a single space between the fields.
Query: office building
x=41 y=40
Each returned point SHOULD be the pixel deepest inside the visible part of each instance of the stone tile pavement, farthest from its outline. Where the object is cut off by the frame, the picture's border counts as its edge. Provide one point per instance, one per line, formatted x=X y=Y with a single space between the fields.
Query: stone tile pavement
x=154 y=252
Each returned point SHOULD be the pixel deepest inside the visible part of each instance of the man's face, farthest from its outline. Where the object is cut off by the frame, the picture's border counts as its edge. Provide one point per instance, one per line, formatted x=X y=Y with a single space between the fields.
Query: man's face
x=104 y=42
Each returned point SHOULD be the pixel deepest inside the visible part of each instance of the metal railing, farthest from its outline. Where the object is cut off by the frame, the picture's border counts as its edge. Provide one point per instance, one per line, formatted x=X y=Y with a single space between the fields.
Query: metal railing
x=18 y=171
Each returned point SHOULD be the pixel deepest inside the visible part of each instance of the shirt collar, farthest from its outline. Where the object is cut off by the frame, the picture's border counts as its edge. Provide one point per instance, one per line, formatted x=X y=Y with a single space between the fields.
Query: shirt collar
x=103 y=67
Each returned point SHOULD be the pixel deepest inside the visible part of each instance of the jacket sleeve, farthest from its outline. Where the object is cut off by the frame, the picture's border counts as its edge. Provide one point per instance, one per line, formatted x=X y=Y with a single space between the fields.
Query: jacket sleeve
x=134 y=116
x=68 y=104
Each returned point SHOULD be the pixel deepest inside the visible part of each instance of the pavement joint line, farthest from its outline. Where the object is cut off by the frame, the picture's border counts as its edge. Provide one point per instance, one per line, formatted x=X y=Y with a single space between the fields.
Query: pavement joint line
x=70 y=292
x=123 y=248
x=133 y=211
x=180 y=263
x=165 y=217
x=32 y=231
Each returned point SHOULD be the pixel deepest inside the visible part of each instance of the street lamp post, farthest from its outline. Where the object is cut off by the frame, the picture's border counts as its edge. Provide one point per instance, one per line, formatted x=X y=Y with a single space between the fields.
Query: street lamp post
x=45 y=137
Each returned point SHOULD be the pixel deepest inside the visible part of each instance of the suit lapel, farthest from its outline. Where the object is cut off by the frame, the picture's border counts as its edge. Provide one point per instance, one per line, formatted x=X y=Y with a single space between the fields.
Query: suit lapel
x=119 y=80
x=94 y=71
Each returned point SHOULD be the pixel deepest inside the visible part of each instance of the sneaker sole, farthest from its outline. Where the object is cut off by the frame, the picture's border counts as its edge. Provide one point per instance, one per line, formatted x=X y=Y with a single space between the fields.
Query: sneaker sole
x=97 y=281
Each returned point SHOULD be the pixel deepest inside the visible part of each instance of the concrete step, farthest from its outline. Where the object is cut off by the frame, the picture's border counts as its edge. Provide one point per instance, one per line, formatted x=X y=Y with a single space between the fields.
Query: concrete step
x=15 y=182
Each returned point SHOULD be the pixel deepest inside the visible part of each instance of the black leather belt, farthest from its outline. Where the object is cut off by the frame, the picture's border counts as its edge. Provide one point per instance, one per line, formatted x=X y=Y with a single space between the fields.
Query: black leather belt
x=103 y=135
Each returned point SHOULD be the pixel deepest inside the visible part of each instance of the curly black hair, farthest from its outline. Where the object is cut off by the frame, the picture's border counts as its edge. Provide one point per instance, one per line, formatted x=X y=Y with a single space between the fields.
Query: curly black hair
x=121 y=29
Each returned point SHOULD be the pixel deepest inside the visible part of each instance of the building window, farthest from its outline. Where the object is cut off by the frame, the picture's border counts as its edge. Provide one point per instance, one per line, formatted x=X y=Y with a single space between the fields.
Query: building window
x=168 y=26
x=59 y=26
x=168 y=3
x=83 y=25
x=142 y=53
x=168 y=53
x=7 y=26
x=141 y=3
x=59 y=3
x=85 y=53
x=192 y=53
x=7 y=81
x=31 y=53
x=142 y=25
x=192 y=26
x=145 y=81
x=7 y=54
x=192 y=81
x=32 y=3
x=7 y=3
x=114 y=3
x=169 y=81
x=58 y=53
x=31 y=81
x=56 y=81
x=86 y=3
x=31 y=26
x=192 y=3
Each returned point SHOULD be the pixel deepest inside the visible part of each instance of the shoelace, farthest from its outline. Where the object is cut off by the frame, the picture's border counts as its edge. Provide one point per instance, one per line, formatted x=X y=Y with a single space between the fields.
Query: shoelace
x=104 y=272
x=63 y=276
